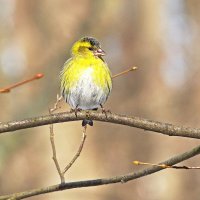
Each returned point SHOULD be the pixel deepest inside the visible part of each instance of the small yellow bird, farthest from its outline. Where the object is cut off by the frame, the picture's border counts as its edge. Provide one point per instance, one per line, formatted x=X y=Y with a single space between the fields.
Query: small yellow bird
x=85 y=78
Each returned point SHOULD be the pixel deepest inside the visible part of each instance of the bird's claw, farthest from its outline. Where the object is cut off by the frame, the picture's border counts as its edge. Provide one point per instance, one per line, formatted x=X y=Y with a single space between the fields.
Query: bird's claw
x=104 y=111
x=76 y=110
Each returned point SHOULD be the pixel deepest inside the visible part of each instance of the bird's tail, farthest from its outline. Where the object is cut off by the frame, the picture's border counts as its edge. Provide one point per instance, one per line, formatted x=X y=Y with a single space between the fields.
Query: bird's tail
x=87 y=121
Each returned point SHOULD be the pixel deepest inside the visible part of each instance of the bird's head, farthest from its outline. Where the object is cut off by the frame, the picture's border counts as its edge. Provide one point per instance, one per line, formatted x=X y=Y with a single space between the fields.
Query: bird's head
x=87 y=46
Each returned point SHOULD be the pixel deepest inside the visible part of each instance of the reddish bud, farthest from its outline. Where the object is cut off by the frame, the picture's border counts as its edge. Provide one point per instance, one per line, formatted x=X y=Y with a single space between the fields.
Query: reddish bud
x=4 y=90
x=39 y=75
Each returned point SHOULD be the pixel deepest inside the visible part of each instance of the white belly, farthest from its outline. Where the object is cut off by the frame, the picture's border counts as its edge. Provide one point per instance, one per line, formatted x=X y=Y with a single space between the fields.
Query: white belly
x=85 y=94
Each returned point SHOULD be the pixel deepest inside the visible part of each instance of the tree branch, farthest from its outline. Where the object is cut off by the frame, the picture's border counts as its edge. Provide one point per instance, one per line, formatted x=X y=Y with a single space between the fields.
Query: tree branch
x=150 y=125
x=97 y=182
x=54 y=157
x=75 y=157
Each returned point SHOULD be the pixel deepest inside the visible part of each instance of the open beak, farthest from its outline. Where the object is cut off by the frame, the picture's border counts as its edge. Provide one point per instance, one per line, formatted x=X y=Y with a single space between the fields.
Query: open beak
x=99 y=52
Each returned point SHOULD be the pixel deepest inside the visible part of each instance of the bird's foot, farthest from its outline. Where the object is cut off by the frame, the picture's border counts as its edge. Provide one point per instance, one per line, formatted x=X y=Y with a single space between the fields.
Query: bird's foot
x=104 y=111
x=76 y=110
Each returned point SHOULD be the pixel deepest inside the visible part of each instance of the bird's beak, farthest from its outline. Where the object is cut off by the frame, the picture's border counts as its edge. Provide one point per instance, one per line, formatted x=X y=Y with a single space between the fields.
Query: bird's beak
x=99 y=52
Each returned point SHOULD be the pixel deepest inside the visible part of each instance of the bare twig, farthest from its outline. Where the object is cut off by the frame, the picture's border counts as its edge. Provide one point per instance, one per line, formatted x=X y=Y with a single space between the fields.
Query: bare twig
x=136 y=162
x=54 y=157
x=58 y=99
x=124 y=72
x=8 y=89
x=146 y=124
x=97 y=182
x=78 y=152
x=62 y=173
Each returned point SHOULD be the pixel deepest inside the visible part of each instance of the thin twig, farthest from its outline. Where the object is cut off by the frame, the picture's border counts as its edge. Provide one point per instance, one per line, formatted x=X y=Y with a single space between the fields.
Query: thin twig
x=54 y=157
x=8 y=89
x=136 y=162
x=58 y=99
x=62 y=173
x=146 y=124
x=97 y=182
x=78 y=152
x=124 y=72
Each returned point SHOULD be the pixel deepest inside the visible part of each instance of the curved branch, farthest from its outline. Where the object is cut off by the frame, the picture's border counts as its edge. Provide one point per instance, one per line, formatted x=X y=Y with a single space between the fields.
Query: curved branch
x=146 y=124
x=97 y=182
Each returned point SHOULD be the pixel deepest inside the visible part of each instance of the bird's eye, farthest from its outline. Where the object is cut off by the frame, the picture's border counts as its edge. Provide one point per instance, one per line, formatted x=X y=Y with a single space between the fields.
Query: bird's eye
x=90 y=48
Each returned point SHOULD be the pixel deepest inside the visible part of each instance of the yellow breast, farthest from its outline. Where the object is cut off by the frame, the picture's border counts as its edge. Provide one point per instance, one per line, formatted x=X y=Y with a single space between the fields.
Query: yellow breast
x=75 y=67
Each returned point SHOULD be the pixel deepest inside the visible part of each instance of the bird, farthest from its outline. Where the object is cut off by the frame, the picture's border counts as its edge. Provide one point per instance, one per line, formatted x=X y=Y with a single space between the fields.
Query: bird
x=86 y=80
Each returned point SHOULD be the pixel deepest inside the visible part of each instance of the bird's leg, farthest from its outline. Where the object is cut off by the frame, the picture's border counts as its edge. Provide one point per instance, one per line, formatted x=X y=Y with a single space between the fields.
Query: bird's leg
x=104 y=110
x=76 y=110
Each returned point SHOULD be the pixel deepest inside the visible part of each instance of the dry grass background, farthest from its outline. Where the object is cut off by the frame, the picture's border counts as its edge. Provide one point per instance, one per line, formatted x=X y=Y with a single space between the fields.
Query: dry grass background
x=160 y=37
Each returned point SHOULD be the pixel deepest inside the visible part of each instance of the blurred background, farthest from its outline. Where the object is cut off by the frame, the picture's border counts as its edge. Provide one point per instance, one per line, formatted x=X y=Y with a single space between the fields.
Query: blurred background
x=161 y=37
